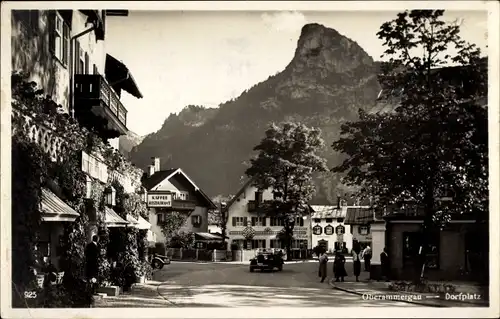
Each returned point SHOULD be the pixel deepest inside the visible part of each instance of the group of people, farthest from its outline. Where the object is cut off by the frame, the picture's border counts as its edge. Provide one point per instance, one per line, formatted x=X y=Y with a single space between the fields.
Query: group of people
x=358 y=254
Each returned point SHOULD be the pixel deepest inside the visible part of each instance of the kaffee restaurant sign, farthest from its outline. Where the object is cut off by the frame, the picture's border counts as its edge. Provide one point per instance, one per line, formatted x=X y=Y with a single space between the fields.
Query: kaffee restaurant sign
x=159 y=200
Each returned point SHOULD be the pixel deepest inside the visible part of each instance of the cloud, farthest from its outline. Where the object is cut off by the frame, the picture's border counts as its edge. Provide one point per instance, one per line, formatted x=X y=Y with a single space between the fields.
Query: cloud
x=287 y=21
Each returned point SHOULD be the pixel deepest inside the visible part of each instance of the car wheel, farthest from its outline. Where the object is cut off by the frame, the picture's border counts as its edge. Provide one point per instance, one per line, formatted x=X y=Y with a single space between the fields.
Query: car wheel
x=251 y=269
x=157 y=265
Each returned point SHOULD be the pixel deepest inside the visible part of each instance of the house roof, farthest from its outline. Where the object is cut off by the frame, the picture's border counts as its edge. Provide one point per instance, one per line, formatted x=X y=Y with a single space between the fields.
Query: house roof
x=151 y=182
x=207 y=236
x=143 y=224
x=120 y=76
x=328 y=211
x=238 y=194
x=359 y=215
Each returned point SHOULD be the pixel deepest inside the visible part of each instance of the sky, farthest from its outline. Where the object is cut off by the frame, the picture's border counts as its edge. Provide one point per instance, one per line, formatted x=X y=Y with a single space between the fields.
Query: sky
x=180 y=58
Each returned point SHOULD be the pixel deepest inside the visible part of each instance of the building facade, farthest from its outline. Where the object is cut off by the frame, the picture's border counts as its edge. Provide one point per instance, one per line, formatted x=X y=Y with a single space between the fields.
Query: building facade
x=246 y=229
x=329 y=230
x=59 y=49
x=173 y=191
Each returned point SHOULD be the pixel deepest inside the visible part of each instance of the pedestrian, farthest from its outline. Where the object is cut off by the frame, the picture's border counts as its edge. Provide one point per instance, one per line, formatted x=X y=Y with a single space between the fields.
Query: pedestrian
x=339 y=266
x=356 y=261
x=385 y=266
x=92 y=259
x=323 y=261
x=367 y=256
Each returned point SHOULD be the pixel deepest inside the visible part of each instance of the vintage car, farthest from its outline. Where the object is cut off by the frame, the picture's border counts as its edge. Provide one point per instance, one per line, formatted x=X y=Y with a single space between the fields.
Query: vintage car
x=158 y=261
x=266 y=261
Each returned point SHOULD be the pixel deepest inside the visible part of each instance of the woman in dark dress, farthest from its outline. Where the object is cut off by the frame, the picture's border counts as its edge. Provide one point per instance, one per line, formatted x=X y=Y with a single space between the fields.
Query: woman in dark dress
x=356 y=261
x=339 y=266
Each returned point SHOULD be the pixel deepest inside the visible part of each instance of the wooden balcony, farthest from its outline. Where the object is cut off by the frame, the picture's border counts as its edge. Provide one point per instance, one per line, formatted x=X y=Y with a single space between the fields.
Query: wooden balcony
x=180 y=204
x=93 y=93
x=42 y=135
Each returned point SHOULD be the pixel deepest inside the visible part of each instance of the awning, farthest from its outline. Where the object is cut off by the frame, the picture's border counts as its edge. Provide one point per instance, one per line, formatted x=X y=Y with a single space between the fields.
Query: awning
x=132 y=221
x=120 y=77
x=113 y=219
x=55 y=209
x=207 y=236
x=143 y=224
x=359 y=216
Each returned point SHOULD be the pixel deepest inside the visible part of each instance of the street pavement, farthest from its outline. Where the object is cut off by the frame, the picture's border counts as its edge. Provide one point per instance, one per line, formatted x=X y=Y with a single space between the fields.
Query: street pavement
x=190 y=284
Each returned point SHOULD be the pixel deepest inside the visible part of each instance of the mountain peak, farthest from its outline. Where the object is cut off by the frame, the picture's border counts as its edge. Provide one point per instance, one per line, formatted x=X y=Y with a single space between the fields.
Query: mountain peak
x=325 y=47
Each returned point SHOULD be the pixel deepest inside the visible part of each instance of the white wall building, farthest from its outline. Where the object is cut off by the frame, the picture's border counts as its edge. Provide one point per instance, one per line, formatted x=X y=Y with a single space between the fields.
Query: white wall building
x=328 y=228
x=243 y=219
x=172 y=190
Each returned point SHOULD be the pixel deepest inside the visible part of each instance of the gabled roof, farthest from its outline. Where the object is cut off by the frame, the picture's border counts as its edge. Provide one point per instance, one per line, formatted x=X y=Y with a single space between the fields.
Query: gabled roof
x=328 y=211
x=238 y=194
x=151 y=182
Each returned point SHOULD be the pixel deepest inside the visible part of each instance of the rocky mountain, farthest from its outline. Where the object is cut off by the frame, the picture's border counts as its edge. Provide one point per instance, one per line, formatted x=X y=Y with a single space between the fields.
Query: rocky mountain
x=128 y=141
x=328 y=79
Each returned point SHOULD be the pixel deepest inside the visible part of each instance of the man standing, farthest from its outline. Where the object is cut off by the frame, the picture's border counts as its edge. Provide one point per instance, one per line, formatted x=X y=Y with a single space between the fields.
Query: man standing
x=367 y=256
x=384 y=261
x=91 y=258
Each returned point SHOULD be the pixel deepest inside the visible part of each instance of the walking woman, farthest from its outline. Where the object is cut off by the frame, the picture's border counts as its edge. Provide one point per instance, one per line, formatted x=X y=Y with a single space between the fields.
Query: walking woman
x=339 y=266
x=356 y=260
x=323 y=261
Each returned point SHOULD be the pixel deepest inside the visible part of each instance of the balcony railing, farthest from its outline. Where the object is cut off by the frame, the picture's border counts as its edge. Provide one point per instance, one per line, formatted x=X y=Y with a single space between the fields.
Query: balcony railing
x=94 y=87
x=42 y=135
x=183 y=204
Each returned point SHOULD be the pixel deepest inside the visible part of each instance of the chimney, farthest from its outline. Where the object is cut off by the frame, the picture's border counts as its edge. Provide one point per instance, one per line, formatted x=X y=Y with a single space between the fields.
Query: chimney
x=151 y=170
x=155 y=161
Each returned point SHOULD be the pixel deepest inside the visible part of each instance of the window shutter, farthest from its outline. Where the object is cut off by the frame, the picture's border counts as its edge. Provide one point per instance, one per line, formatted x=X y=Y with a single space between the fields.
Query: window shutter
x=264 y=243
x=76 y=54
x=234 y=221
x=86 y=63
x=253 y=221
x=264 y=221
x=65 y=43
x=51 y=16
x=95 y=70
x=245 y=221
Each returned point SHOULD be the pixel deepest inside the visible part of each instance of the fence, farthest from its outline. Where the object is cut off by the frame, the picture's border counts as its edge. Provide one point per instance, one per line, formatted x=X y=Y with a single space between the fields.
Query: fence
x=179 y=254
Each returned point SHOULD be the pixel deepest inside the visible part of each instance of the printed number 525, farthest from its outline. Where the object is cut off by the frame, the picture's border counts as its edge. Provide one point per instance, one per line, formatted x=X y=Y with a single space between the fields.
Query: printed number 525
x=30 y=294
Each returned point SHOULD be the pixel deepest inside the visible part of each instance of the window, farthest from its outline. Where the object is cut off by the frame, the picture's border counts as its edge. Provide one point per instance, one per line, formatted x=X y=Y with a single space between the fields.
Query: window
x=182 y=196
x=258 y=243
x=96 y=71
x=411 y=248
x=364 y=229
x=239 y=221
x=329 y=230
x=299 y=243
x=81 y=61
x=299 y=221
x=196 y=221
x=159 y=218
x=87 y=63
x=329 y=220
x=275 y=243
x=340 y=220
x=275 y=221
x=317 y=230
x=60 y=38
x=317 y=220
x=258 y=221
x=258 y=197
x=340 y=230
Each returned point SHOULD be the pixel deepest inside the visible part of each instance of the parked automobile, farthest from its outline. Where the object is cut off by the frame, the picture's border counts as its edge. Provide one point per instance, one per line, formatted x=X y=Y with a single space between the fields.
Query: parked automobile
x=158 y=261
x=266 y=261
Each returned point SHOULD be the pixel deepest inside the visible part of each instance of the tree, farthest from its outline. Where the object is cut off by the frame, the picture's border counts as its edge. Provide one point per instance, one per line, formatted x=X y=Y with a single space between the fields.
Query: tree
x=171 y=225
x=286 y=161
x=434 y=139
x=219 y=216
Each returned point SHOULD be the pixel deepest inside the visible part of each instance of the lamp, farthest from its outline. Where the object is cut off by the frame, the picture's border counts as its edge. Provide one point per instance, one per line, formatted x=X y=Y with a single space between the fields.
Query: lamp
x=110 y=196
x=143 y=193
x=88 y=186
